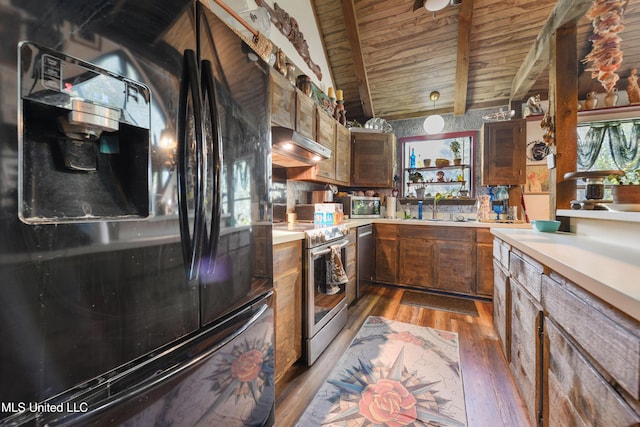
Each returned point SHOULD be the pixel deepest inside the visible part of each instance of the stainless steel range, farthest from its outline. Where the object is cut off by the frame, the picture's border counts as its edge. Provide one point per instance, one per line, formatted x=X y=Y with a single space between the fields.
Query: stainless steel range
x=325 y=304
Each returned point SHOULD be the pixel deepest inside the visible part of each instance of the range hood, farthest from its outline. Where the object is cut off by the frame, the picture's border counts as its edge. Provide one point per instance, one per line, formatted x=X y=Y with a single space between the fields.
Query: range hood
x=290 y=149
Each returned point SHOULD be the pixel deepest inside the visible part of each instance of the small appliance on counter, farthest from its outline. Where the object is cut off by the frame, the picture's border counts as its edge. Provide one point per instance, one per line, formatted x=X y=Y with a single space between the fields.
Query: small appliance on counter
x=360 y=206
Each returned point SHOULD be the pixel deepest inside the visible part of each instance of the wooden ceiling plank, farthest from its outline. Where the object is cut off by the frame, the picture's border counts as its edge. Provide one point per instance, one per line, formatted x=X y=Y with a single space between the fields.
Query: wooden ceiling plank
x=351 y=24
x=462 y=67
x=564 y=12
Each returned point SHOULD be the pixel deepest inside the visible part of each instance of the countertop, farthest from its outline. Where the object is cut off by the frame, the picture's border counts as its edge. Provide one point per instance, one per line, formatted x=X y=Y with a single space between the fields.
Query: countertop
x=608 y=271
x=284 y=236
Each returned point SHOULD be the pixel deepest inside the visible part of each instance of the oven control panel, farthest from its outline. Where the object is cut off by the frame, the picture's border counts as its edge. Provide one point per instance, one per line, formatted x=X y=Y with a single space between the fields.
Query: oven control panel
x=319 y=236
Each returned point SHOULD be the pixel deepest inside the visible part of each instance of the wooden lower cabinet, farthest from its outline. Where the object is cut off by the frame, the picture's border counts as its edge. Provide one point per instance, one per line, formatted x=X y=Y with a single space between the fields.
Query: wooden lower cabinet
x=287 y=283
x=432 y=257
x=574 y=358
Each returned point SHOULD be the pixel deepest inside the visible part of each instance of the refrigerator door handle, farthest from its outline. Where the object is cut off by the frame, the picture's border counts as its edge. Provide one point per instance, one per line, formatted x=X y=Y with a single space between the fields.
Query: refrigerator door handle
x=191 y=244
x=209 y=91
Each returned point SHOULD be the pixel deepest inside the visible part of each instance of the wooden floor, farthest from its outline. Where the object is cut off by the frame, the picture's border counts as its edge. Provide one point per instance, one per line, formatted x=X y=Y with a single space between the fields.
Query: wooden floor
x=490 y=393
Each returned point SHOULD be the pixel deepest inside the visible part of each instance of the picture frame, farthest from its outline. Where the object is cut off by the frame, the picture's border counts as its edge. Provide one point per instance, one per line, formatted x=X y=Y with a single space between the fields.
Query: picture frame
x=537 y=179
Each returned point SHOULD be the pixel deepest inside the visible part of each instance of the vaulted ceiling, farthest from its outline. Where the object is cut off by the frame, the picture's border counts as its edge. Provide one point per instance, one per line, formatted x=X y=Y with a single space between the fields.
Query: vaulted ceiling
x=387 y=58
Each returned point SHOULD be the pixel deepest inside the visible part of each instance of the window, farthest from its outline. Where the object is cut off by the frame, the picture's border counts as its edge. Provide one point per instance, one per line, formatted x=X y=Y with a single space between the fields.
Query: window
x=433 y=169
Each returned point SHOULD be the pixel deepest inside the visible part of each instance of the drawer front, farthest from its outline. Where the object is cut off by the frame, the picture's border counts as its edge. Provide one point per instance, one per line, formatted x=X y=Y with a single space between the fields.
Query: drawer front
x=286 y=257
x=386 y=230
x=437 y=232
x=608 y=336
x=417 y=232
x=483 y=235
x=576 y=393
x=501 y=252
x=527 y=272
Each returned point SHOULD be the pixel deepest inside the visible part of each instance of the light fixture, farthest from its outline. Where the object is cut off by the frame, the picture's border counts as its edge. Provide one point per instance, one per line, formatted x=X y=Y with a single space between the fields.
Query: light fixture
x=434 y=123
x=435 y=5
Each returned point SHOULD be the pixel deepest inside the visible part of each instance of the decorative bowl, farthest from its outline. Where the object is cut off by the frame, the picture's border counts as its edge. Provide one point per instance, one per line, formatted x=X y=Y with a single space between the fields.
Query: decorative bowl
x=545 y=226
x=442 y=162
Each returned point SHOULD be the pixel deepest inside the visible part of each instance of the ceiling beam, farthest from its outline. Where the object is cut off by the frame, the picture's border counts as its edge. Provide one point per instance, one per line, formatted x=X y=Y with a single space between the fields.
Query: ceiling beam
x=564 y=12
x=351 y=24
x=462 y=66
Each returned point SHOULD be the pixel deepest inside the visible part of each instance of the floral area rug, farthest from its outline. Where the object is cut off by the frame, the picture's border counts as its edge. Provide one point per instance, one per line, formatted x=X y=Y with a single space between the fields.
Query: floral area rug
x=393 y=374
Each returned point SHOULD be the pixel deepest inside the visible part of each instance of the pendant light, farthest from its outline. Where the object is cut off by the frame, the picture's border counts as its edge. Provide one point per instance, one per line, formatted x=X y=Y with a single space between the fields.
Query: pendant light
x=434 y=123
x=435 y=5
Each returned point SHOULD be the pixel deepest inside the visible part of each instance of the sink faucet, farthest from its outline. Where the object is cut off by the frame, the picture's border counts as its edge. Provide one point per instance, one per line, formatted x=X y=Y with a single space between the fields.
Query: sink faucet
x=434 y=208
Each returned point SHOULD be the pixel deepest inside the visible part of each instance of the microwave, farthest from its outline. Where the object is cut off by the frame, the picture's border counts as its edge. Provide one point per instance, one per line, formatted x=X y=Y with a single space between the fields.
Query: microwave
x=360 y=206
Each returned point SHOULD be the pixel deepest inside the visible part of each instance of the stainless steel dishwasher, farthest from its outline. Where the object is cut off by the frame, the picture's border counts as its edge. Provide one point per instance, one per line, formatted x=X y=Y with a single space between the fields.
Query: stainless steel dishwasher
x=364 y=272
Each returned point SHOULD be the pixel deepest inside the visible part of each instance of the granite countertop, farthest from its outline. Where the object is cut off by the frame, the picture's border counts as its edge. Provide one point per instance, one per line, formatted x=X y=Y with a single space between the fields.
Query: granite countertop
x=606 y=270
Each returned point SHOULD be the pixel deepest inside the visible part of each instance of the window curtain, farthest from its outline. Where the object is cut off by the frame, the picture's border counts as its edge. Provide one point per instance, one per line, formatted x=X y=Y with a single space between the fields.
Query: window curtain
x=624 y=146
x=589 y=148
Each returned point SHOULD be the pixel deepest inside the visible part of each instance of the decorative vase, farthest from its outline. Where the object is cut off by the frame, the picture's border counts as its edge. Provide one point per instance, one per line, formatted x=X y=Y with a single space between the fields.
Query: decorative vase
x=280 y=64
x=291 y=73
x=303 y=82
x=591 y=101
x=611 y=99
x=626 y=194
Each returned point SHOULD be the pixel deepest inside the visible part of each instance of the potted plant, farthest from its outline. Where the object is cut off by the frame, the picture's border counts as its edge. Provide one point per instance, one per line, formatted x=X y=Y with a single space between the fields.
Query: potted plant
x=455 y=149
x=627 y=187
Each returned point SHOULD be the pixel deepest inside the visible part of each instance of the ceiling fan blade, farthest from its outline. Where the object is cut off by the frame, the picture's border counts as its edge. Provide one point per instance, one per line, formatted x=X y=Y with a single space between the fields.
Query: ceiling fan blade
x=418 y=4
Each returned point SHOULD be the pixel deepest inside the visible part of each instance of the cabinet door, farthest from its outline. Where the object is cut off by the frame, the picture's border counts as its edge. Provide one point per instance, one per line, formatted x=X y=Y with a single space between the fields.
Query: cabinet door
x=326 y=135
x=386 y=255
x=484 y=271
x=343 y=154
x=283 y=101
x=305 y=115
x=372 y=159
x=455 y=266
x=576 y=394
x=503 y=152
x=416 y=263
x=526 y=348
x=502 y=307
x=287 y=282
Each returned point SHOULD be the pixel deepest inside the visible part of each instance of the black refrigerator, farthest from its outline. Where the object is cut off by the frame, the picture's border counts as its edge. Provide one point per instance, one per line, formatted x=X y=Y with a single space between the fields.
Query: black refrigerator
x=135 y=220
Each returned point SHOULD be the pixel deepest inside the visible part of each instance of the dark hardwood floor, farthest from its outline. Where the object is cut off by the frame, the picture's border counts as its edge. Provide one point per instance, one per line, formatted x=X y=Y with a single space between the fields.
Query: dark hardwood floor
x=490 y=393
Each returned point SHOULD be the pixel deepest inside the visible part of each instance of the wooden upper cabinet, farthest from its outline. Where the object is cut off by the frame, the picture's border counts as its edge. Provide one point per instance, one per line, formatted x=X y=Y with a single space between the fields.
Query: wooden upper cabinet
x=372 y=159
x=343 y=154
x=326 y=136
x=283 y=101
x=305 y=115
x=503 y=152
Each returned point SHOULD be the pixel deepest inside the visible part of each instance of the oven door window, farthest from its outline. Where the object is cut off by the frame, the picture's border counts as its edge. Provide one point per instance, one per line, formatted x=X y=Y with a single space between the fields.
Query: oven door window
x=326 y=296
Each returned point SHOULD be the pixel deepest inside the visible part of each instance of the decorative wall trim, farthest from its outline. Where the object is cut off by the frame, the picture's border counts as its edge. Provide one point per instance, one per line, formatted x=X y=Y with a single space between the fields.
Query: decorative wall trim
x=288 y=26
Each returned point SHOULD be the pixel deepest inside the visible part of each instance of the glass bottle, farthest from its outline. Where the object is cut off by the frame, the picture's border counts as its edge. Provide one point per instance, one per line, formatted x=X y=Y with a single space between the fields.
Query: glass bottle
x=412 y=159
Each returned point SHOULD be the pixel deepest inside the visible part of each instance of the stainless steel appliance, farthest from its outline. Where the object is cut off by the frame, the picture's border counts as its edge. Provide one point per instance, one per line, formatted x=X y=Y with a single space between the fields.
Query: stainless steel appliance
x=360 y=206
x=135 y=258
x=364 y=271
x=292 y=149
x=325 y=313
